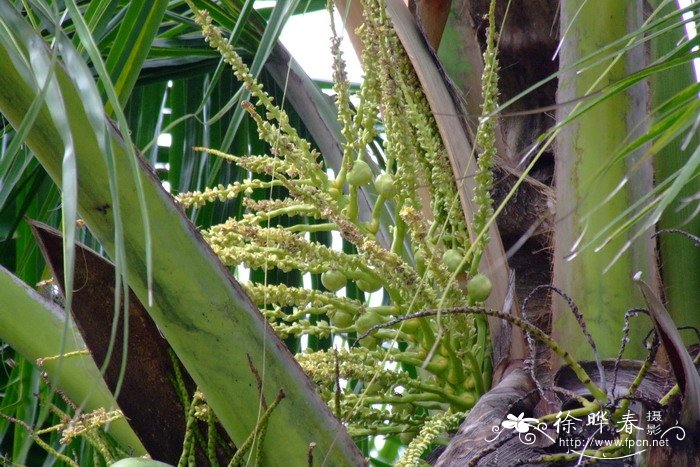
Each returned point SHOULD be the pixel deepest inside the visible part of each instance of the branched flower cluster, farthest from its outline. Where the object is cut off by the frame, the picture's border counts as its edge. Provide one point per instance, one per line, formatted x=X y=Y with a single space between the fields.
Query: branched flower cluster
x=84 y=423
x=412 y=179
x=486 y=135
x=438 y=424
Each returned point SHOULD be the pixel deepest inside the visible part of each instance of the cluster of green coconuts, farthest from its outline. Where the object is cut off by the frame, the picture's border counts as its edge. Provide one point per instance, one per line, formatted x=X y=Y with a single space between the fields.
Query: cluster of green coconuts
x=478 y=287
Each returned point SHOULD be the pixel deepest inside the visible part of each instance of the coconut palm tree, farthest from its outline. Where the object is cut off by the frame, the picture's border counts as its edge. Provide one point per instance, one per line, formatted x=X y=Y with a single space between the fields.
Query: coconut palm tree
x=584 y=148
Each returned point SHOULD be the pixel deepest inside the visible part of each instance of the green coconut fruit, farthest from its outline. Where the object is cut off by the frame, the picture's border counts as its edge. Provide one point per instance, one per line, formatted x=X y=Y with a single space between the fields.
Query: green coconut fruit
x=360 y=174
x=452 y=259
x=139 y=462
x=479 y=288
x=385 y=185
x=371 y=284
x=342 y=319
x=366 y=321
x=439 y=364
x=411 y=326
x=333 y=280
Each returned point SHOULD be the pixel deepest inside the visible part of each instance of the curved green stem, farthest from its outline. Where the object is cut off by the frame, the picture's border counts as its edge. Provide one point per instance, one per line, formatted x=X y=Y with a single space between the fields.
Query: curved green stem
x=476 y=372
x=399 y=234
x=352 y=205
x=326 y=227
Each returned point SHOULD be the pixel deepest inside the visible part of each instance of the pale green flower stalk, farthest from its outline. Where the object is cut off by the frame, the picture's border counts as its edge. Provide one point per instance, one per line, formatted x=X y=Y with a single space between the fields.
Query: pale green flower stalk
x=398 y=133
x=486 y=141
x=222 y=193
x=411 y=106
x=438 y=424
x=341 y=86
x=367 y=110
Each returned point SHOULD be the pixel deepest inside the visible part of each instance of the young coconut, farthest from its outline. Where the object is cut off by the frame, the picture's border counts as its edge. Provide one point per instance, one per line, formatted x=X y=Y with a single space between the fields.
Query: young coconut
x=479 y=288
x=341 y=319
x=385 y=185
x=369 y=285
x=452 y=259
x=360 y=174
x=333 y=280
x=366 y=321
x=139 y=462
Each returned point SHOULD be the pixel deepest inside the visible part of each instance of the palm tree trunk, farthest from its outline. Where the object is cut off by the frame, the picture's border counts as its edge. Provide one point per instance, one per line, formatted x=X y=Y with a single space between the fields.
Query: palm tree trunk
x=586 y=178
x=679 y=259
